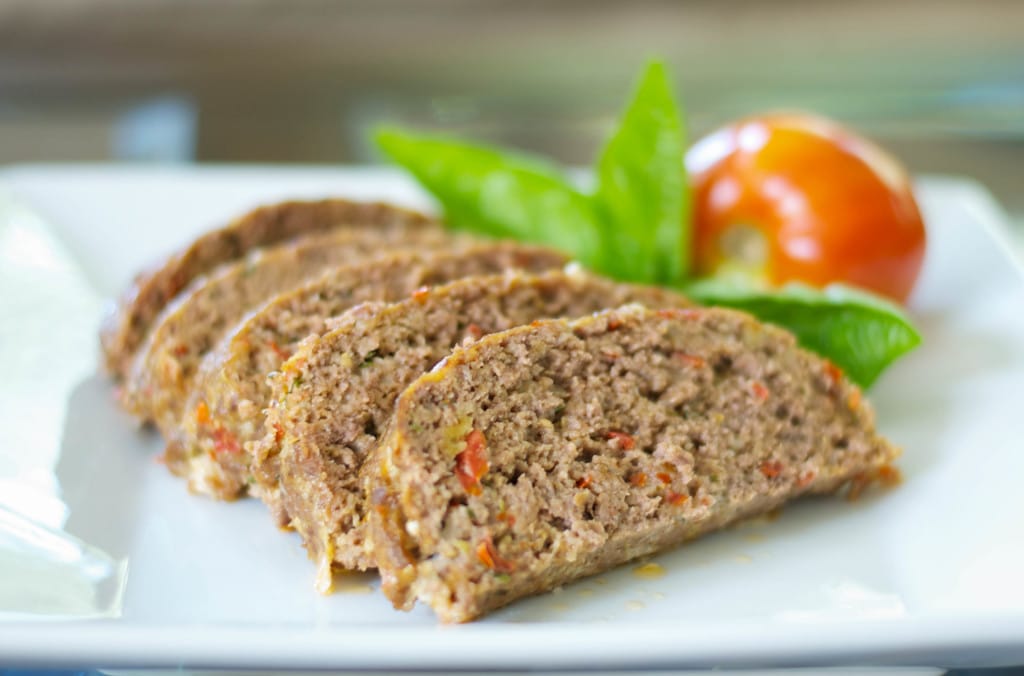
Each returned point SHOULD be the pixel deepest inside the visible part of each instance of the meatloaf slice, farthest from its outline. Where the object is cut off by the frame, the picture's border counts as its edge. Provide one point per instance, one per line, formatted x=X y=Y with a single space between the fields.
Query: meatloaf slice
x=158 y=382
x=125 y=329
x=549 y=452
x=225 y=410
x=349 y=379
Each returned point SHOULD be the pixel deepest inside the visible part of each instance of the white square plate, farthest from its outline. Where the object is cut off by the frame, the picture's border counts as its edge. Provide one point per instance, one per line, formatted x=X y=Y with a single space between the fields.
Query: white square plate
x=105 y=559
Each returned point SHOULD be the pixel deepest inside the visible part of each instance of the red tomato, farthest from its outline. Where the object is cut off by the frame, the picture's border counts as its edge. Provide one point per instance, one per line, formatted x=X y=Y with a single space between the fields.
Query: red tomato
x=792 y=197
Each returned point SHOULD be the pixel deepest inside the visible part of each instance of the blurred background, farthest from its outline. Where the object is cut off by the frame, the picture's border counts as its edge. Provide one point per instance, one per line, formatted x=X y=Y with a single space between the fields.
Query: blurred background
x=941 y=83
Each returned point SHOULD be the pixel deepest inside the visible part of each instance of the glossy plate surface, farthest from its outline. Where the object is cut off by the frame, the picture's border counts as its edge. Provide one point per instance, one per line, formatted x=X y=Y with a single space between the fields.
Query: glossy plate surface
x=105 y=559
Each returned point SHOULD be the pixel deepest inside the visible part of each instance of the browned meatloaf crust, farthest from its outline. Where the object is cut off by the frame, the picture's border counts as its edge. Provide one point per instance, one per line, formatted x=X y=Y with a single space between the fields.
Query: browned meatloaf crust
x=549 y=452
x=160 y=377
x=225 y=411
x=349 y=380
x=127 y=326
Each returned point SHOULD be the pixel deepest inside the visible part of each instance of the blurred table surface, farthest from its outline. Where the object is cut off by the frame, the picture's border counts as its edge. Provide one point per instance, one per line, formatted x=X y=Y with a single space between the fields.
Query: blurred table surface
x=939 y=82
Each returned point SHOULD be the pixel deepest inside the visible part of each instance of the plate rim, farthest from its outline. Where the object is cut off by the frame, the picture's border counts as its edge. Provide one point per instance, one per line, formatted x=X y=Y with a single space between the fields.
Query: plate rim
x=946 y=641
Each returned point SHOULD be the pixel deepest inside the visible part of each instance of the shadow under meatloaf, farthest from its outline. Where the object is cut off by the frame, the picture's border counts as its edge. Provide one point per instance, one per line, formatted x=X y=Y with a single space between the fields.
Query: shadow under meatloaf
x=350 y=378
x=546 y=453
x=224 y=414
x=160 y=378
x=126 y=327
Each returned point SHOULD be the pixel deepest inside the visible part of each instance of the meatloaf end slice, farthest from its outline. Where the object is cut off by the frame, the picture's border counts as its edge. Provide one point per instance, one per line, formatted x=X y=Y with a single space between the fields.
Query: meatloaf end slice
x=224 y=413
x=348 y=381
x=126 y=327
x=161 y=375
x=550 y=452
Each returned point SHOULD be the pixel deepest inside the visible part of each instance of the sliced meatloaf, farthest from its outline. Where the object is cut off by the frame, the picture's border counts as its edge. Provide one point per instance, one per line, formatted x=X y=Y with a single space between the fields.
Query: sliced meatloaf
x=225 y=411
x=553 y=451
x=161 y=375
x=125 y=329
x=348 y=381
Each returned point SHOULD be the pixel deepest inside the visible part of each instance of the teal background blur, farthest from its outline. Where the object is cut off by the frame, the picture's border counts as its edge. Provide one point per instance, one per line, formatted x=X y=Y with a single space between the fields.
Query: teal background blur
x=941 y=83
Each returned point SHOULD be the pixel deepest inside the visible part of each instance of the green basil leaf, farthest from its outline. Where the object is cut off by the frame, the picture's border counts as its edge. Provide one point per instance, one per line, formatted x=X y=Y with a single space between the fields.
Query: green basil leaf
x=861 y=333
x=642 y=191
x=499 y=193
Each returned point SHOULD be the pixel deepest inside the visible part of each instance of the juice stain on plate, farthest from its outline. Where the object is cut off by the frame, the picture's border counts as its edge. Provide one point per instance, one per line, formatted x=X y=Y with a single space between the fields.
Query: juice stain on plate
x=586 y=592
x=635 y=605
x=754 y=537
x=649 y=571
x=768 y=517
x=353 y=583
x=743 y=558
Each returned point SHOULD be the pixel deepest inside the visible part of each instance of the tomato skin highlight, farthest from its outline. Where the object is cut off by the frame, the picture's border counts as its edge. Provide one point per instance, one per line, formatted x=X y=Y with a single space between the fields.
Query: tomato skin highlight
x=793 y=197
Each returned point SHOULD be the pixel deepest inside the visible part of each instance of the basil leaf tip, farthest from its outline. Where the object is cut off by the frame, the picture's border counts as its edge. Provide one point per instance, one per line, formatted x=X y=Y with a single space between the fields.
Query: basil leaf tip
x=860 y=332
x=642 y=192
x=497 y=193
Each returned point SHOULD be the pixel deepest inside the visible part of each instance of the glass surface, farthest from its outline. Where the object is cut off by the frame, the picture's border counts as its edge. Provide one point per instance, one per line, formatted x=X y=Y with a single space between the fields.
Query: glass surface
x=47 y=343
